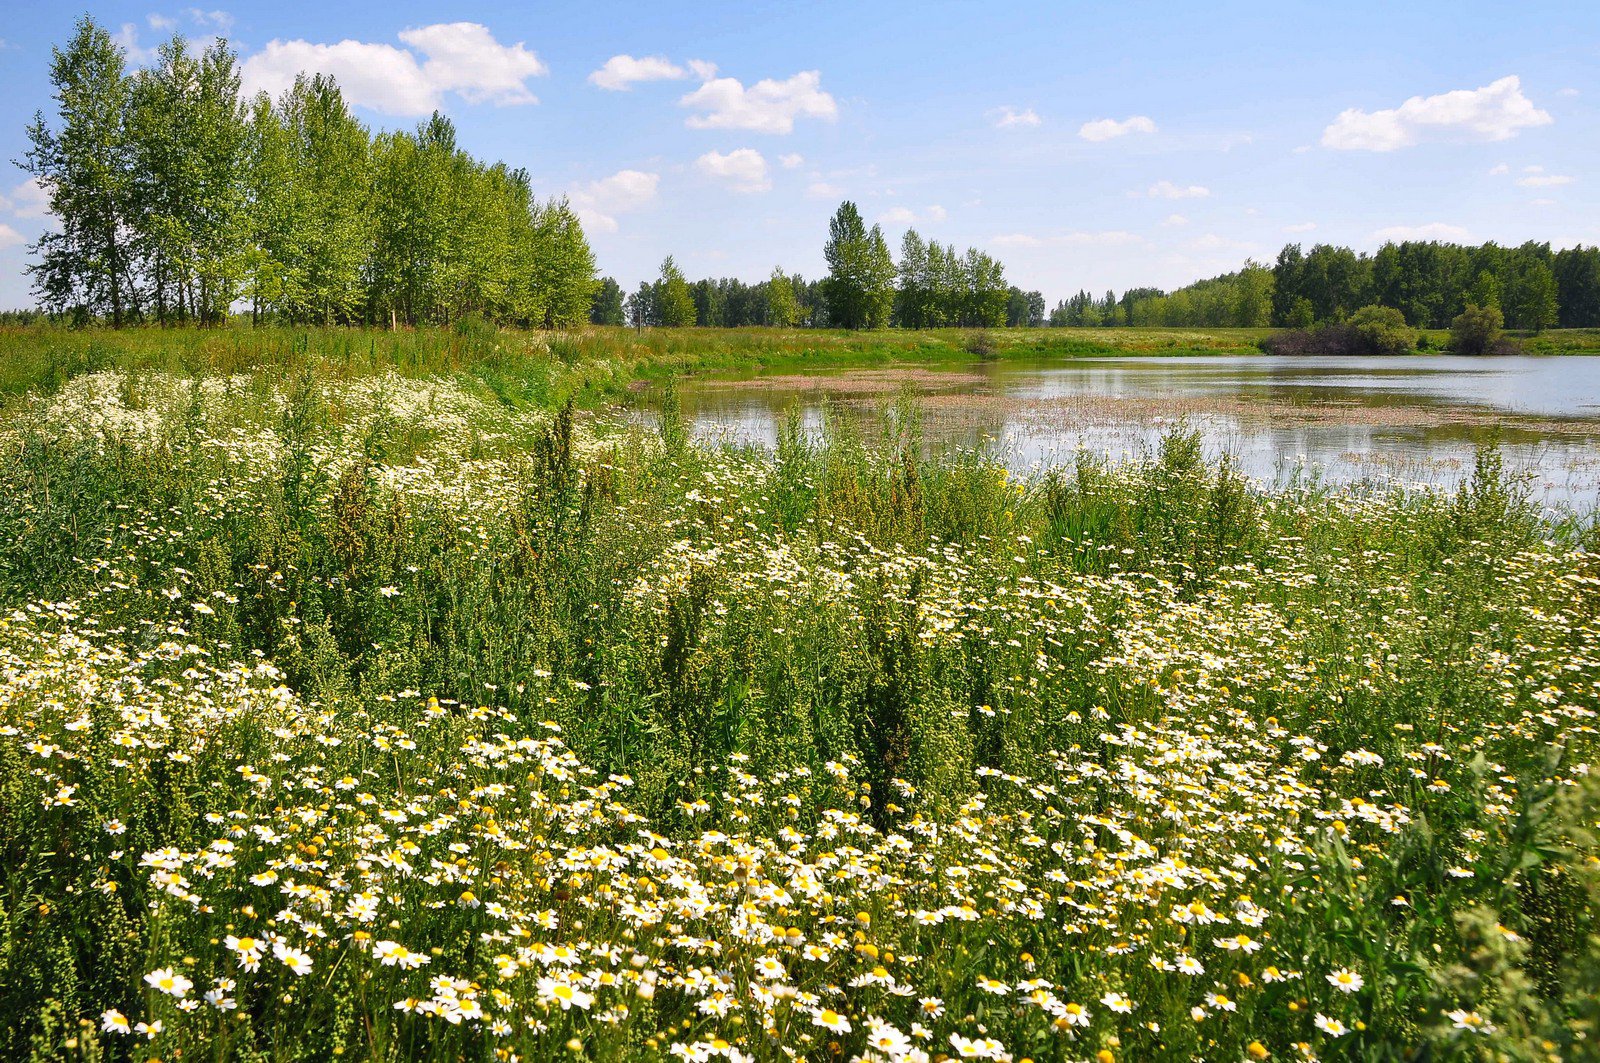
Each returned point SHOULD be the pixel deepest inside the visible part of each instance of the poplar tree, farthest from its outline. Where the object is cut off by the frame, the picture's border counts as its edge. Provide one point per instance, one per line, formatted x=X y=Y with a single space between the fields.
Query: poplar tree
x=782 y=306
x=674 y=305
x=84 y=163
x=847 y=255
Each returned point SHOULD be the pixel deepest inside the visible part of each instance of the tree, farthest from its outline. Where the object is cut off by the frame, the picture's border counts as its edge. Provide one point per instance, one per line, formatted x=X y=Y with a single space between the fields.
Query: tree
x=848 y=254
x=1252 y=303
x=1476 y=330
x=1382 y=330
x=640 y=308
x=86 y=167
x=783 y=309
x=911 y=310
x=606 y=306
x=1577 y=271
x=1529 y=293
x=1286 y=280
x=317 y=196
x=675 y=306
x=878 y=280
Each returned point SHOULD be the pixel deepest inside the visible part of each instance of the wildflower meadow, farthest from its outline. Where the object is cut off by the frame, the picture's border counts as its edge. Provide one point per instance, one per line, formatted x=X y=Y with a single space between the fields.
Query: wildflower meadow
x=381 y=716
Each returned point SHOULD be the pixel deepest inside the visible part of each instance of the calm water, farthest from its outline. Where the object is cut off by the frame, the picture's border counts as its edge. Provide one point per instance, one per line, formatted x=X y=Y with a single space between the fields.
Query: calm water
x=1347 y=419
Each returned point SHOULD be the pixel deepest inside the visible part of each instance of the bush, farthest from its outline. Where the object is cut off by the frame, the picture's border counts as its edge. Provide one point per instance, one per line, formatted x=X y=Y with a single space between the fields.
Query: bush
x=1478 y=330
x=1370 y=330
x=1383 y=330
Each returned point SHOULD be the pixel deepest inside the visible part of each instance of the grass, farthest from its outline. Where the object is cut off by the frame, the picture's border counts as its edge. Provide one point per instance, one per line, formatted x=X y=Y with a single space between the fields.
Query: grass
x=358 y=701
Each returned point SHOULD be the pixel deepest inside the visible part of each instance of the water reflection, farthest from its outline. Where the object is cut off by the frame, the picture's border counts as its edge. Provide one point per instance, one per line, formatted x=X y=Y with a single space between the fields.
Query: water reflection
x=1416 y=420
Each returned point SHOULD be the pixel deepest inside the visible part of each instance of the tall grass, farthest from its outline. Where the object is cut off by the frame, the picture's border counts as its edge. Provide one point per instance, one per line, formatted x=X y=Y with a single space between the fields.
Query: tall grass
x=358 y=649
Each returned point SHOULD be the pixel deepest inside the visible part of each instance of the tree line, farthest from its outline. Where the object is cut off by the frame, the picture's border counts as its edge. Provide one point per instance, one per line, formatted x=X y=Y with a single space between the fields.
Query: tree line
x=179 y=200
x=1429 y=283
x=932 y=286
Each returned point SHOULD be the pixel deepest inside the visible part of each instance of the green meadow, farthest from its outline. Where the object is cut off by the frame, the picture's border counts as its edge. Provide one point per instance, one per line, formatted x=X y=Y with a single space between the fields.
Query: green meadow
x=384 y=696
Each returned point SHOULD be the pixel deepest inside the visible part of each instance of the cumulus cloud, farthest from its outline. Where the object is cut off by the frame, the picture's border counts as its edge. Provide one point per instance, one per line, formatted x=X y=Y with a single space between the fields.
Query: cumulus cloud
x=1110 y=128
x=1012 y=118
x=791 y=160
x=127 y=38
x=1104 y=238
x=455 y=57
x=1437 y=230
x=1539 y=179
x=907 y=216
x=1168 y=190
x=27 y=200
x=599 y=202
x=622 y=72
x=1300 y=227
x=9 y=237
x=768 y=106
x=823 y=190
x=221 y=21
x=743 y=169
x=1498 y=111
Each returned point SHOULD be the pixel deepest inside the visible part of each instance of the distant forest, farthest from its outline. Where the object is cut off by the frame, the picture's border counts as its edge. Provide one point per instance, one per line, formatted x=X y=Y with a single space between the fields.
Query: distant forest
x=1430 y=283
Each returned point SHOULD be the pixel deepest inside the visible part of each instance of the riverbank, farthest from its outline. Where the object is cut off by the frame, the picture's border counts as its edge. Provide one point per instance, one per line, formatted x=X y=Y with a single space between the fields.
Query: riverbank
x=599 y=364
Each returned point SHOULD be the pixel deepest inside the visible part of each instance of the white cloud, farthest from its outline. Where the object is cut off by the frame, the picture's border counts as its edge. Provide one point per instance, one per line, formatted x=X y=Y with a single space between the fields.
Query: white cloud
x=1538 y=180
x=1011 y=118
x=1110 y=128
x=791 y=160
x=823 y=190
x=1568 y=92
x=622 y=72
x=702 y=70
x=1498 y=111
x=768 y=106
x=1214 y=242
x=744 y=169
x=1502 y=168
x=459 y=57
x=1168 y=190
x=161 y=23
x=1176 y=219
x=27 y=200
x=1432 y=231
x=9 y=237
x=220 y=20
x=1106 y=238
x=599 y=202
x=127 y=38
x=907 y=216
x=1300 y=227
x=1541 y=202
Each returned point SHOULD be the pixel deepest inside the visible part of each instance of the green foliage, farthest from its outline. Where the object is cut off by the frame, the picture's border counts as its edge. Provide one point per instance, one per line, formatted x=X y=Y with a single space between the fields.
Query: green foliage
x=1477 y=330
x=1383 y=330
x=674 y=307
x=177 y=197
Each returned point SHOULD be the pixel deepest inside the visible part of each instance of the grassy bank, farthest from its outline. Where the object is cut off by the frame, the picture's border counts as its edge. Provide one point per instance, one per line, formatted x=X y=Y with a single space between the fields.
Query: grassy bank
x=546 y=368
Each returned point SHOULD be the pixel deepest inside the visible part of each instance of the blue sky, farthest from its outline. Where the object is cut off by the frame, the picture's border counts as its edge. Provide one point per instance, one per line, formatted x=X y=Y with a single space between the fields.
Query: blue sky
x=1097 y=146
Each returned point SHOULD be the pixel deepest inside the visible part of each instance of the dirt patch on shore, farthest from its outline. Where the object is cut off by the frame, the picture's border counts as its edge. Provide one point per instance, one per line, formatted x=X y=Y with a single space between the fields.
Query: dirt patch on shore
x=855 y=382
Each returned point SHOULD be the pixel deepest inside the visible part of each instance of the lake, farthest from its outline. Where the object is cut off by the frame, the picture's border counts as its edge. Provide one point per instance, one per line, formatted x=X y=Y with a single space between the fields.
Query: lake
x=1414 y=420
